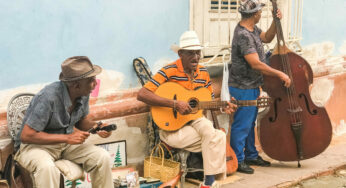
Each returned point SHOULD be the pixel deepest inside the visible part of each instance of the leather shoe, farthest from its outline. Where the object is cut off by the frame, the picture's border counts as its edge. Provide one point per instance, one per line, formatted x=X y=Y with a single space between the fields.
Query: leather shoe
x=244 y=168
x=258 y=162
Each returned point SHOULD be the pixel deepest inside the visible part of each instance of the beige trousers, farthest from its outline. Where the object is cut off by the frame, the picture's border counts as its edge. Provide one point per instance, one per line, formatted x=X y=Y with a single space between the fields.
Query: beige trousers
x=199 y=136
x=39 y=161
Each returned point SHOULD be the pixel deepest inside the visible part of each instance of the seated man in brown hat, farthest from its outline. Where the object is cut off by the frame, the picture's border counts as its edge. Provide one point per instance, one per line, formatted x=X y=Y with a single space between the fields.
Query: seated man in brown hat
x=198 y=135
x=55 y=127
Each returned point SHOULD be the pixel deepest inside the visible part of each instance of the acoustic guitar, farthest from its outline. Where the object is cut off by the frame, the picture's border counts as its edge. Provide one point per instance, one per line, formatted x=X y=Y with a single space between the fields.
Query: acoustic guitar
x=170 y=120
x=231 y=157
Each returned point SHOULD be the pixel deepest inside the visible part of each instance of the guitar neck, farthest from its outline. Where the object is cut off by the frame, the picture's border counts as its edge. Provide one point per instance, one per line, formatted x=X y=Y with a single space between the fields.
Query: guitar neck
x=209 y=105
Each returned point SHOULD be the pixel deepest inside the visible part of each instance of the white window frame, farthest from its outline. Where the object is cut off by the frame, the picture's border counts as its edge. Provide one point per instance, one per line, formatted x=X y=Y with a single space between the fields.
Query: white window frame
x=215 y=27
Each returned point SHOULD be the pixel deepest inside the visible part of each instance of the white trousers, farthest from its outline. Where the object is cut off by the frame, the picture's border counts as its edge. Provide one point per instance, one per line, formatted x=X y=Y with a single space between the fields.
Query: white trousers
x=39 y=161
x=199 y=136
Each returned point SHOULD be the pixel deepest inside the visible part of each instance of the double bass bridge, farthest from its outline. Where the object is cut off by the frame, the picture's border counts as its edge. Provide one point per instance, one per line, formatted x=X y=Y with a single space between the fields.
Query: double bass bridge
x=295 y=110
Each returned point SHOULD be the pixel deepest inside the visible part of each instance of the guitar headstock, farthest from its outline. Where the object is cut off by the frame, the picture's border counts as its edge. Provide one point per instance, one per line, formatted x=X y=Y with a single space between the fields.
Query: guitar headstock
x=264 y=102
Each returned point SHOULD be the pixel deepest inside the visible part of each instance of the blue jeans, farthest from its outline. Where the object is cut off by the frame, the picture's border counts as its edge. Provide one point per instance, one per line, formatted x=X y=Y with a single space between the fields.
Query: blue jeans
x=242 y=129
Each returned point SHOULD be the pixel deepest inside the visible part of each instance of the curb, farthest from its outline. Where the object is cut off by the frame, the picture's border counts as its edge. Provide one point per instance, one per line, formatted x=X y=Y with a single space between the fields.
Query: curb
x=330 y=171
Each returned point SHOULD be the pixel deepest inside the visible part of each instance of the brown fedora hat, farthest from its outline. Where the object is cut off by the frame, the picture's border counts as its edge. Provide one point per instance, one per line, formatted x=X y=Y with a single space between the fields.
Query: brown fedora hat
x=78 y=67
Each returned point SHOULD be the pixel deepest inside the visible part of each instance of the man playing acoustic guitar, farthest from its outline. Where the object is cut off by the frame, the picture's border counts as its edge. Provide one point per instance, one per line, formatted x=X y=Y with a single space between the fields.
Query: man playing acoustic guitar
x=197 y=135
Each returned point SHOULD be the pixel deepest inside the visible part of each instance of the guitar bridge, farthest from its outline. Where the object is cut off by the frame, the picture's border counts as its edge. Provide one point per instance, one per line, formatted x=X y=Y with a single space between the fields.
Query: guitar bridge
x=174 y=110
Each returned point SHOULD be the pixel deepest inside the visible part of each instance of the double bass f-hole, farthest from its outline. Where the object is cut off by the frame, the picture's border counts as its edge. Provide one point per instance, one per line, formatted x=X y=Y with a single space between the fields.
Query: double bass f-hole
x=273 y=119
x=314 y=111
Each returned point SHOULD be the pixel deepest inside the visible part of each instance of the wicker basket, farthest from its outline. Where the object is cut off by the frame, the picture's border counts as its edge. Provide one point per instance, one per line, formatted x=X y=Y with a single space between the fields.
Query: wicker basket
x=159 y=167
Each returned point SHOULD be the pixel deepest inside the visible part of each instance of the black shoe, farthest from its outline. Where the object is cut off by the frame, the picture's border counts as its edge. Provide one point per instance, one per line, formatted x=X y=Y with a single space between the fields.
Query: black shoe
x=244 y=168
x=258 y=162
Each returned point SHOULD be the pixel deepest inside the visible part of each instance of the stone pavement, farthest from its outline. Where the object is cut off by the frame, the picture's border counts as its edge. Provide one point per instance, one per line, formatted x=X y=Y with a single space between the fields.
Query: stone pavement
x=286 y=174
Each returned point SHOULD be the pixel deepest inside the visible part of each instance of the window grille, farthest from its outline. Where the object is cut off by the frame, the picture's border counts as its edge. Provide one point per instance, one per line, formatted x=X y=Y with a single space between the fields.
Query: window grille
x=214 y=5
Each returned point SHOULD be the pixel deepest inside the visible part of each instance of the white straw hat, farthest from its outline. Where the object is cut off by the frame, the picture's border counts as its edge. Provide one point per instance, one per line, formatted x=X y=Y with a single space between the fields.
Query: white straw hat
x=188 y=41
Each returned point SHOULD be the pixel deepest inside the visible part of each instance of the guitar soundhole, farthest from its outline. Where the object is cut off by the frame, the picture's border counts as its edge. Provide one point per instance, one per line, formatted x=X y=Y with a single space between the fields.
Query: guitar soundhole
x=193 y=103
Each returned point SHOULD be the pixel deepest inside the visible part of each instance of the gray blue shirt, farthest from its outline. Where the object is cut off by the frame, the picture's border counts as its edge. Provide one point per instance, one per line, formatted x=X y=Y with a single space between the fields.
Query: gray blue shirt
x=48 y=111
x=244 y=42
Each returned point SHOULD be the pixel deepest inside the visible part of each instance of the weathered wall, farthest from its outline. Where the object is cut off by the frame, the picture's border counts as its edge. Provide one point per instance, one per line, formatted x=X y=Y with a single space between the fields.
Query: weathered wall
x=324 y=20
x=36 y=36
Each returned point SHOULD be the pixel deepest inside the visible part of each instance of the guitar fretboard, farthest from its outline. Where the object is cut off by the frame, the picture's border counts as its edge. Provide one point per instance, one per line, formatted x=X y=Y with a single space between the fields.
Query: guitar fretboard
x=221 y=104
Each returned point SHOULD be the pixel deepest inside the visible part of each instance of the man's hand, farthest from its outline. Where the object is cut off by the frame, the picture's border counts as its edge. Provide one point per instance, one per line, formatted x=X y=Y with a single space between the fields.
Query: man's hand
x=285 y=79
x=278 y=14
x=230 y=108
x=183 y=107
x=104 y=134
x=77 y=137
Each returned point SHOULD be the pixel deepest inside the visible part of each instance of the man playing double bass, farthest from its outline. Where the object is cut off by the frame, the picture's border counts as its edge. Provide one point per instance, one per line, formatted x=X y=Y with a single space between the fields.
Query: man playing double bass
x=245 y=78
x=198 y=135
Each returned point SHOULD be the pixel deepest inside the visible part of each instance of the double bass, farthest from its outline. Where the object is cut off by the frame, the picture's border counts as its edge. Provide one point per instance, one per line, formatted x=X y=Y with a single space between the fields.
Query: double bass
x=295 y=128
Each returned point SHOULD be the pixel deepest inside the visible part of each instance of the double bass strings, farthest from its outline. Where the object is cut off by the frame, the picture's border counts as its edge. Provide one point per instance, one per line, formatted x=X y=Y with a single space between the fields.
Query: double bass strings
x=293 y=105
